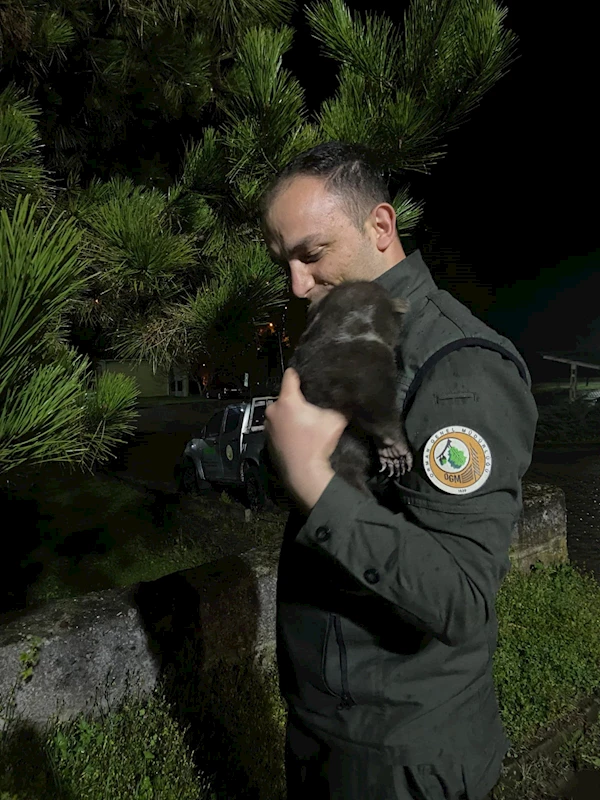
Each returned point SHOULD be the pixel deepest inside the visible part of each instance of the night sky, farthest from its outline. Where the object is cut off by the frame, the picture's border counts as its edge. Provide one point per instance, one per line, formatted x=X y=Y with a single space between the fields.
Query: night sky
x=514 y=199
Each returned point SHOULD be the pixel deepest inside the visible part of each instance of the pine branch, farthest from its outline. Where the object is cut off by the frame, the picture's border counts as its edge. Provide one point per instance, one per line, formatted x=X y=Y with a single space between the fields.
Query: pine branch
x=42 y=380
x=259 y=93
x=370 y=48
x=217 y=322
x=425 y=25
x=408 y=212
x=39 y=271
x=129 y=242
x=41 y=418
x=21 y=167
x=51 y=35
x=231 y=18
x=452 y=52
x=109 y=416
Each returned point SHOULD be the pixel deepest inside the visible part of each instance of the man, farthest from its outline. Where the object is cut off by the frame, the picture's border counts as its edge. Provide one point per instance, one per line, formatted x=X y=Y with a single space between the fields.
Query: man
x=386 y=621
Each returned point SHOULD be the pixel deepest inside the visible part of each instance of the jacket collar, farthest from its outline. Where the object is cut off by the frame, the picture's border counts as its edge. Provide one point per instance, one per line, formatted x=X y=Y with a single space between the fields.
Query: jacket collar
x=409 y=279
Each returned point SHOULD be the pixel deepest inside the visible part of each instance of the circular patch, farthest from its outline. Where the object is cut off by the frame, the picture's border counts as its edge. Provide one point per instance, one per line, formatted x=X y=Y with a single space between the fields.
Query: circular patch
x=229 y=452
x=457 y=460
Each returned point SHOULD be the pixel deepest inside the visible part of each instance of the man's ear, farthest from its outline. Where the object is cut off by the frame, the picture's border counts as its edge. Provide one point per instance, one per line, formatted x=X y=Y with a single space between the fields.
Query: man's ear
x=383 y=223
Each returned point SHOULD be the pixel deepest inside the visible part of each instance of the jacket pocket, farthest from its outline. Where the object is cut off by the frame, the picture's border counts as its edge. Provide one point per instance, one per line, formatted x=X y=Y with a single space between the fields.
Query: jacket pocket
x=334 y=663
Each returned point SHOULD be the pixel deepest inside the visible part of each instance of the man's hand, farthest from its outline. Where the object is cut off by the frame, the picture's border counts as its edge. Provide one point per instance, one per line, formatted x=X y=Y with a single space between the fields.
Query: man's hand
x=302 y=438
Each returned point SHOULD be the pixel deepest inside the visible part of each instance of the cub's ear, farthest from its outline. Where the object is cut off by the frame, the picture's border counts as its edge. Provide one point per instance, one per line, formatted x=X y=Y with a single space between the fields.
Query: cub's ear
x=400 y=306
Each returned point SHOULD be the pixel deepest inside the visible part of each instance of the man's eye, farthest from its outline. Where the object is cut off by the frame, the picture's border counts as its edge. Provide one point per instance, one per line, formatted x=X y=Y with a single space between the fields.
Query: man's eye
x=308 y=259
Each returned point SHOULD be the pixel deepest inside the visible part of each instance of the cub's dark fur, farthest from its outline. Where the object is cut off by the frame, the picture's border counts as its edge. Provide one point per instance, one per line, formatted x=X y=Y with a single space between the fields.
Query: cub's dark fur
x=346 y=361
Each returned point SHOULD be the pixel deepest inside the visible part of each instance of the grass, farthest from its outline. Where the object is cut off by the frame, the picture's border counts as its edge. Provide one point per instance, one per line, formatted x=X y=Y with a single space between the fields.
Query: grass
x=548 y=655
x=136 y=751
x=541 y=777
x=80 y=533
x=220 y=734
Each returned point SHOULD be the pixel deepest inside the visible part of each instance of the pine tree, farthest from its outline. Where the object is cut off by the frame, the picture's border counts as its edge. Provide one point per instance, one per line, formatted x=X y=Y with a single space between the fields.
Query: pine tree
x=399 y=91
x=178 y=273
x=109 y=73
x=52 y=408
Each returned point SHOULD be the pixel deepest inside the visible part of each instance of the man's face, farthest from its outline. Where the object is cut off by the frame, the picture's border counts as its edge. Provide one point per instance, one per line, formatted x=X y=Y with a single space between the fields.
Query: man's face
x=307 y=230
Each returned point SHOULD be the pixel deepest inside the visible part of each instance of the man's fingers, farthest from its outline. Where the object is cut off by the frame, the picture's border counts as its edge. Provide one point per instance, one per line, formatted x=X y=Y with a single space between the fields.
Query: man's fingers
x=290 y=383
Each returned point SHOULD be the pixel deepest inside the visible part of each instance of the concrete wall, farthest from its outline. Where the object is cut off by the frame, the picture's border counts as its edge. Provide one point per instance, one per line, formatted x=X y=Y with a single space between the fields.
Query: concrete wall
x=541 y=533
x=106 y=642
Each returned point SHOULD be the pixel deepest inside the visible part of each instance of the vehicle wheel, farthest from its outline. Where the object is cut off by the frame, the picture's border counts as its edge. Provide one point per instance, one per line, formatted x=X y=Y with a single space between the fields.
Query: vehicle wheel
x=256 y=495
x=188 y=477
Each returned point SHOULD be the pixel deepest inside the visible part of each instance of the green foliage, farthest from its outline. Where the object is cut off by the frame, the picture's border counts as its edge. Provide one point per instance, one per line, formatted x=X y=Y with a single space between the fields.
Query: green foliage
x=548 y=646
x=136 y=257
x=44 y=413
x=231 y=19
x=136 y=752
x=40 y=271
x=242 y=734
x=226 y=499
x=265 y=119
x=218 y=322
x=401 y=95
x=21 y=166
x=110 y=71
x=137 y=535
x=178 y=274
x=408 y=212
x=109 y=416
x=29 y=658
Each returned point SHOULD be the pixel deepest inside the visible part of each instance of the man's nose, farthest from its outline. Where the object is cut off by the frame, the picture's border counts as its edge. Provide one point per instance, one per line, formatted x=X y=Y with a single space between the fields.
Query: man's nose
x=302 y=280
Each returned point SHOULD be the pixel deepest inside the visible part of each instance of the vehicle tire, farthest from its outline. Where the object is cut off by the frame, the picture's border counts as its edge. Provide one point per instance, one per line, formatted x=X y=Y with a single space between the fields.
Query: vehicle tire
x=189 y=482
x=256 y=496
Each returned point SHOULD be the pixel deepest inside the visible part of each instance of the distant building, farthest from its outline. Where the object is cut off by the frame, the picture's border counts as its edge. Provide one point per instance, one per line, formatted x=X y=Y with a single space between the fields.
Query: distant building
x=162 y=384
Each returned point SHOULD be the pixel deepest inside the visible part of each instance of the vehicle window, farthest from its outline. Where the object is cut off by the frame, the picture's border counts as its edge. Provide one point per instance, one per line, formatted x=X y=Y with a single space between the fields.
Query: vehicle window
x=233 y=419
x=213 y=426
x=258 y=416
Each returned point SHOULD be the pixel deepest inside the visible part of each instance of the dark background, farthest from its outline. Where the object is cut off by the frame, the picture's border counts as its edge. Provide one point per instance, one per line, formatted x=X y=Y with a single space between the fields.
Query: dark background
x=511 y=211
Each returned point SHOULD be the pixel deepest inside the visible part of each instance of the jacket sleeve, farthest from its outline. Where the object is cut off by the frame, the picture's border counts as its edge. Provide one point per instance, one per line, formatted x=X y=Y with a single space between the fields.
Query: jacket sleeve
x=439 y=557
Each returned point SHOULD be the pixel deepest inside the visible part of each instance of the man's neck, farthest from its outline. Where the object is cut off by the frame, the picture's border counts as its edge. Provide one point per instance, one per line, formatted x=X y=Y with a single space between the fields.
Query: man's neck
x=392 y=256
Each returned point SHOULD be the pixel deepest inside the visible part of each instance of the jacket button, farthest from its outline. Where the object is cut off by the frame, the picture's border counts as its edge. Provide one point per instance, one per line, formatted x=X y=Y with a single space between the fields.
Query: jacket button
x=322 y=533
x=372 y=576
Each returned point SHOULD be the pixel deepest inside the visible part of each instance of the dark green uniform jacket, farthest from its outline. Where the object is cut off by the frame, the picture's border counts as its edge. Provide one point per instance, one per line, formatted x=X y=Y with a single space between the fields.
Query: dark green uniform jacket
x=386 y=622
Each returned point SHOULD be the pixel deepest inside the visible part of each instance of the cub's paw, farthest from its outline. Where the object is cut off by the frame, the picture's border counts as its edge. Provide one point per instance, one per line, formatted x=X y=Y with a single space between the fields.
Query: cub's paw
x=396 y=458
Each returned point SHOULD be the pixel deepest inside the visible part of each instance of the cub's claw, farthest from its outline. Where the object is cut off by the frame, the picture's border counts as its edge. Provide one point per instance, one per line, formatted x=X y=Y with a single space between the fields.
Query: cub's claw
x=396 y=459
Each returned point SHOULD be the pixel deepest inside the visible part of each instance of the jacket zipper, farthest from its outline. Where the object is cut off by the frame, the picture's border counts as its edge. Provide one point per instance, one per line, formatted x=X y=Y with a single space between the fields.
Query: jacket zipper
x=324 y=658
x=347 y=700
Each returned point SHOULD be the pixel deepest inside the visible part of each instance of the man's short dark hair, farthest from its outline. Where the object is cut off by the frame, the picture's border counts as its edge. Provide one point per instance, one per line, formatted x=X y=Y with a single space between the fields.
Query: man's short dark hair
x=349 y=171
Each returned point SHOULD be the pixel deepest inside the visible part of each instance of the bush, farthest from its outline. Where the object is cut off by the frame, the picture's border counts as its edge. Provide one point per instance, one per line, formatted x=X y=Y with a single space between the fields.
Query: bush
x=567 y=423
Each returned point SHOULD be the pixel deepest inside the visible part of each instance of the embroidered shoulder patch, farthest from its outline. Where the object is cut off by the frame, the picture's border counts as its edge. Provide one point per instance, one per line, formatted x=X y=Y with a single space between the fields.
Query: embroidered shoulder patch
x=457 y=460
